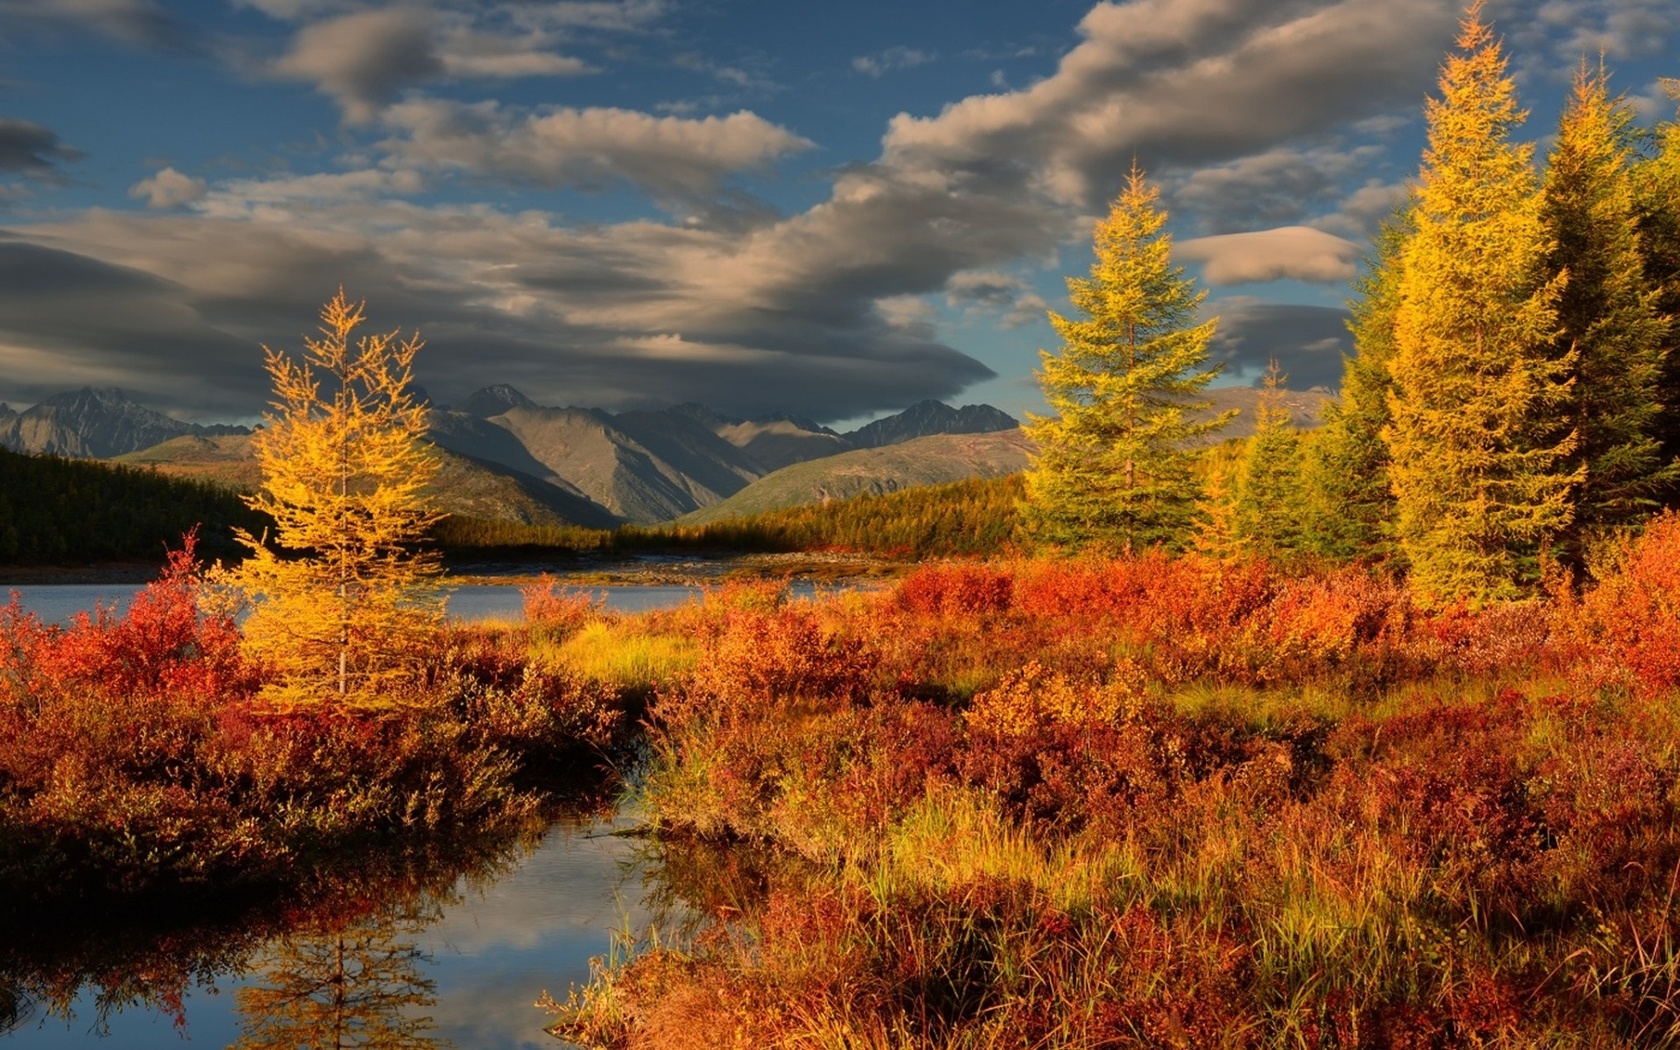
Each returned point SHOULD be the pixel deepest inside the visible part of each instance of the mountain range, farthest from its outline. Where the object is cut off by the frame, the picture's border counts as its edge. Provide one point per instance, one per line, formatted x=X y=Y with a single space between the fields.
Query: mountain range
x=507 y=457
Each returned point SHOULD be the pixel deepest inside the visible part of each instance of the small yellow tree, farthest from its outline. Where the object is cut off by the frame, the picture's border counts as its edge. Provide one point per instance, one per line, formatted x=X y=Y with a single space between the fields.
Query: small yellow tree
x=343 y=603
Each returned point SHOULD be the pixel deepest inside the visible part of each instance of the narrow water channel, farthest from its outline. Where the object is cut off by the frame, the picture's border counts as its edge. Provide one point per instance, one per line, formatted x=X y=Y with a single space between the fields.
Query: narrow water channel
x=455 y=957
x=457 y=965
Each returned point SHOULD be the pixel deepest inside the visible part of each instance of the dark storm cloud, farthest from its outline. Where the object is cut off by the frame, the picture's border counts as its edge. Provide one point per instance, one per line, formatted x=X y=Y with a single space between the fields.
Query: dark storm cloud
x=1308 y=341
x=692 y=327
x=72 y=320
x=28 y=148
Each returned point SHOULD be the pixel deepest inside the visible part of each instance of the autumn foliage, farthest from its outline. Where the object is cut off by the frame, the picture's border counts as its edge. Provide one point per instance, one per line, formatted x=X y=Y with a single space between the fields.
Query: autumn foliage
x=1156 y=801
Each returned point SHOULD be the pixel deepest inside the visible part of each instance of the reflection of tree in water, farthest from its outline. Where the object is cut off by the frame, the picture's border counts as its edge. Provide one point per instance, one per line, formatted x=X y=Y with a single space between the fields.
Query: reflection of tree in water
x=357 y=985
x=150 y=957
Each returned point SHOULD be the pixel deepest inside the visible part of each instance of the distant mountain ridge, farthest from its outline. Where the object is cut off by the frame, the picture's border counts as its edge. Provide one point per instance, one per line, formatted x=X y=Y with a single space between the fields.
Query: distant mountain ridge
x=95 y=423
x=648 y=466
x=521 y=461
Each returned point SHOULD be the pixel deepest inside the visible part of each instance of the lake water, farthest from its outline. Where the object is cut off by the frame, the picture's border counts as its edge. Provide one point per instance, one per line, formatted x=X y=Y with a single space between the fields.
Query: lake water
x=473 y=959
x=58 y=602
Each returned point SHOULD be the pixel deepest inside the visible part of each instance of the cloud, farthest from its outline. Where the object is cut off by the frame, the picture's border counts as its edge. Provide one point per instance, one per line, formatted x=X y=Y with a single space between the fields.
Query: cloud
x=891 y=60
x=27 y=148
x=672 y=157
x=1290 y=252
x=997 y=292
x=130 y=21
x=1276 y=187
x=1570 y=30
x=364 y=59
x=623 y=316
x=1307 y=341
x=1155 y=79
x=168 y=189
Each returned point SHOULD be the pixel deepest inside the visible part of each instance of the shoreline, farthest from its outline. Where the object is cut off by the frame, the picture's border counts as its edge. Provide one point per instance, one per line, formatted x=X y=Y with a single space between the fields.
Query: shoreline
x=585 y=569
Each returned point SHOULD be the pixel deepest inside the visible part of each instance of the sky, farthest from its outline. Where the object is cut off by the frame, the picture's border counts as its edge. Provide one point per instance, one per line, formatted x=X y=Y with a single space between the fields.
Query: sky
x=763 y=206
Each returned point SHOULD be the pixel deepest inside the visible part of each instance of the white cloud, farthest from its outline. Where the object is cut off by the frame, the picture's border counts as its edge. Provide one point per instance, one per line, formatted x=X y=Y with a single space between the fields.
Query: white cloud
x=1291 y=252
x=891 y=60
x=590 y=148
x=168 y=188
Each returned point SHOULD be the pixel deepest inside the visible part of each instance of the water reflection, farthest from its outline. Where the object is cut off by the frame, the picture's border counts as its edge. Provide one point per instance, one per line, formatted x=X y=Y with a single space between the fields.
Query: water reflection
x=445 y=946
x=359 y=985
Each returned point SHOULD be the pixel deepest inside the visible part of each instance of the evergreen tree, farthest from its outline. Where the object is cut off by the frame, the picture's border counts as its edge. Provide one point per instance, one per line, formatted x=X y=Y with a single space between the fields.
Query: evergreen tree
x=1216 y=534
x=1657 y=199
x=1268 y=497
x=1607 y=313
x=1481 y=488
x=1347 y=502
x=1115 y=465
x=343 y=606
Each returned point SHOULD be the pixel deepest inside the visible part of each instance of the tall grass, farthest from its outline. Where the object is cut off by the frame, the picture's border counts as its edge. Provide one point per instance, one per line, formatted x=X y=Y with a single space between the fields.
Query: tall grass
x=1169 y=802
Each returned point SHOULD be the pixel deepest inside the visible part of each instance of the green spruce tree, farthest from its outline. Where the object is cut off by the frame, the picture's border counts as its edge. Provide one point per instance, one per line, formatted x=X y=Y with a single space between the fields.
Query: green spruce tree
x=1347 y=504
x=1607 y=312
x=1268 y=493
x=1482 y=485
x=1115 y=464
x=1656 y=182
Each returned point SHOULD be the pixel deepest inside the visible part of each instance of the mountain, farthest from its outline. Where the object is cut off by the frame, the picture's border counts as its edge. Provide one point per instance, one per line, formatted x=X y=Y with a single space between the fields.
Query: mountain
x=931 y=417
x=94 y=423
x=588 y=466
x=465 y=485
x=1306 y=407
x=932 y=460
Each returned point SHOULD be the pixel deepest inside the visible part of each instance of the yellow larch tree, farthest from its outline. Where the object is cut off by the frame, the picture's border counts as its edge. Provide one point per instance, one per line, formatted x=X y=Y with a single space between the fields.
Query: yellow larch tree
x=1482 y=481
x=343 y=603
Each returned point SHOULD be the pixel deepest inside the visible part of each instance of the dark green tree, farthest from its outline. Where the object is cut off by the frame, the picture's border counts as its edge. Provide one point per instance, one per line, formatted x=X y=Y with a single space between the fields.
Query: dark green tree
x=1347 y=504
x=1607 y=312
x=1656 y=181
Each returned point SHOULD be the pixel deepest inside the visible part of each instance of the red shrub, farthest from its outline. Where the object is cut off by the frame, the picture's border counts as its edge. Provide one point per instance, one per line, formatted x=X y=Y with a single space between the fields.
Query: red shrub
x=1635 y=612
x=953 y=590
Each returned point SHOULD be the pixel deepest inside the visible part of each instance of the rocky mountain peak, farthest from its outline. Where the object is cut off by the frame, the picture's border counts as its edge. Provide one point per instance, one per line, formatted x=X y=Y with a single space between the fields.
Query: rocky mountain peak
x=495 y=399
x=925 y=418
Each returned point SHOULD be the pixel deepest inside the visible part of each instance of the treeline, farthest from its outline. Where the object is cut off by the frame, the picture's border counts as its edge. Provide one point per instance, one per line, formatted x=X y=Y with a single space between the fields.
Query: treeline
x=973 y=517
x=54 y=509
x=1513 y=401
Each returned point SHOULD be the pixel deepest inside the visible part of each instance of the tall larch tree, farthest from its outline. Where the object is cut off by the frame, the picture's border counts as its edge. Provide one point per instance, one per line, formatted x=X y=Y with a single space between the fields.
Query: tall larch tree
x=1657 y=196
x=1481 y=482
x=1115 y=465
x=1607 y=312
x=1348 y=504
x=343 y=604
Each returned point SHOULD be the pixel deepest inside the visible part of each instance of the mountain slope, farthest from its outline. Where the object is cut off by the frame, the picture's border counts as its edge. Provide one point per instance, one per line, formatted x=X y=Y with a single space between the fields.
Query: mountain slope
x=464 y=486
x=94 y=423
x=932 y=460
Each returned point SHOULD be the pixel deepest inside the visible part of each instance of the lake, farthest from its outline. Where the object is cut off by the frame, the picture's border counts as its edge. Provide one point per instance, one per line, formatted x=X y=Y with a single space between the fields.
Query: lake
x=58 y=602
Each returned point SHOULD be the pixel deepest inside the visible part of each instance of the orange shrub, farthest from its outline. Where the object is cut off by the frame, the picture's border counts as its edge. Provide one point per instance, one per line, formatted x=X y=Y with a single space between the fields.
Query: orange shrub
x=1633 y=615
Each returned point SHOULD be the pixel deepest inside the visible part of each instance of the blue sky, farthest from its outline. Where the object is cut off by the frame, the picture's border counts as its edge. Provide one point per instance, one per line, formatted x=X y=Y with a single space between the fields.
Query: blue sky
x=830 y=209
